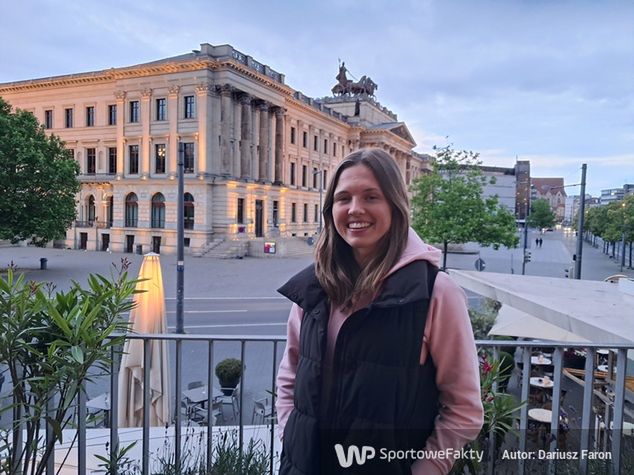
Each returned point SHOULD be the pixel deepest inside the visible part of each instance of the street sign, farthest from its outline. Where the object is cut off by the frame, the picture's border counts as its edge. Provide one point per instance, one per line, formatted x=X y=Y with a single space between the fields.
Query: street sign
x=480 y=265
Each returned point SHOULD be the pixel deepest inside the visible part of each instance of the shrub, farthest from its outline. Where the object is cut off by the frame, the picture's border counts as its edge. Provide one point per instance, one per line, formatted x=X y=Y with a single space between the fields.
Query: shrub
x=229 y=372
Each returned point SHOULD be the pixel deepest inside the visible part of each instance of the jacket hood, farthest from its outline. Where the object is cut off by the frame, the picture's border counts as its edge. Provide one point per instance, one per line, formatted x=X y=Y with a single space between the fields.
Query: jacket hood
x=417 y=250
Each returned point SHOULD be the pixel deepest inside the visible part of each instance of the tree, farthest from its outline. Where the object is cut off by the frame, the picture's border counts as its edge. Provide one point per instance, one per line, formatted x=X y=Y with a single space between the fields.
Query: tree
x=541 y=215
x=38 y=180
x=448 y=206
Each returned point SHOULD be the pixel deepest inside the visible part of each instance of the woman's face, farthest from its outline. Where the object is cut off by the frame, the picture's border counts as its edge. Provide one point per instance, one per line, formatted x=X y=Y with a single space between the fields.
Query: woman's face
x=360 y=211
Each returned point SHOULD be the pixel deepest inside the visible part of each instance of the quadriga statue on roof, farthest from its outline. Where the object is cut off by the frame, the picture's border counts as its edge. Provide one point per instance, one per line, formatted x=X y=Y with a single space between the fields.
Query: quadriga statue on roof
x=365 y=86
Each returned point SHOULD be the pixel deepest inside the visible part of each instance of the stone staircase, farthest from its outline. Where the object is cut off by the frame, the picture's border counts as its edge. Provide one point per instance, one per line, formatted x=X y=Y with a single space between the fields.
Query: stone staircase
x=221 y=249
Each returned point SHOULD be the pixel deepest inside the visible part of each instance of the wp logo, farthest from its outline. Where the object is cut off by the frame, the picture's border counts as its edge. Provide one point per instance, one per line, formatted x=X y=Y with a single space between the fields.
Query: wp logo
x=354 y=454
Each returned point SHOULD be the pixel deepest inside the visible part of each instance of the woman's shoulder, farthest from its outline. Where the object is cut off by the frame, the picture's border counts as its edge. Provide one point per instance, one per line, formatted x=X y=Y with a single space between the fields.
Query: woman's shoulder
x=445 y=287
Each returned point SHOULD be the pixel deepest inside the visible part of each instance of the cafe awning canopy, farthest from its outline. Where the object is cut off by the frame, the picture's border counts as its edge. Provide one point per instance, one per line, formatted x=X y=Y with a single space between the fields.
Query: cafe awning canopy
x=596 y=311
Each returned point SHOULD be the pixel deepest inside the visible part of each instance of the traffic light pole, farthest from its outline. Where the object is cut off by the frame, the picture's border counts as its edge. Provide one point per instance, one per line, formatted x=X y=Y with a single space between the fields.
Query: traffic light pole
x=582 y=210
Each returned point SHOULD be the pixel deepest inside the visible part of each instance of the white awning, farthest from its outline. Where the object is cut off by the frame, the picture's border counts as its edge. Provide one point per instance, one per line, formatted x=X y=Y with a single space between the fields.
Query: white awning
x=595 y=311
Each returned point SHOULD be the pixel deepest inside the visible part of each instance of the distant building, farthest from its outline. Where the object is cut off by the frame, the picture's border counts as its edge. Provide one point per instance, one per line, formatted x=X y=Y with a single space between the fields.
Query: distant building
x=523 y=188
x=255 y=150
x=553 y=191
x=505 y=186
x=616 y=194
x=572 y=207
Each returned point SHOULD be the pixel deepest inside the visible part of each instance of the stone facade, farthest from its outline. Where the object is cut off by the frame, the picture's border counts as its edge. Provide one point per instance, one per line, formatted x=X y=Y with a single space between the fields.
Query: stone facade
x=254 y=149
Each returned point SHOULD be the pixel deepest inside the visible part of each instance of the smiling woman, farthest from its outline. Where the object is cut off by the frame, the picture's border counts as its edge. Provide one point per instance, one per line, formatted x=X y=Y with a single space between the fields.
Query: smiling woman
x=380 y=351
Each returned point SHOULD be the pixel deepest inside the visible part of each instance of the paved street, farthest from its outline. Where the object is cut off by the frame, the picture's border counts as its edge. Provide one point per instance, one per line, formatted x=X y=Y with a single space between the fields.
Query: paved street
x=238 y=296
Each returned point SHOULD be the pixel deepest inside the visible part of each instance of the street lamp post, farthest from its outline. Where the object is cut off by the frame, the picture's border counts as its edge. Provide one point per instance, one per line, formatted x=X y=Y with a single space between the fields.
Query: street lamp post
x=180 y=241
x=582 y=211
x=623 y=237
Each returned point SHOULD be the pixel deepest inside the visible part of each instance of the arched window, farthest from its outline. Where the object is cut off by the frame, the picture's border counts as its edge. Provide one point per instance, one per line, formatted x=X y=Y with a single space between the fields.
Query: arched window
x=131 y=211
x=91 y=210
x=158 y=211
x=110 y=211
x=188 y=212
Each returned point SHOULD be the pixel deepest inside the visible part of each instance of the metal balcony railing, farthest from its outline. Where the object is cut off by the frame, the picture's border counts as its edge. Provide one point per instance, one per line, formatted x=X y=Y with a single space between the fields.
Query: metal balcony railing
x=608 y=434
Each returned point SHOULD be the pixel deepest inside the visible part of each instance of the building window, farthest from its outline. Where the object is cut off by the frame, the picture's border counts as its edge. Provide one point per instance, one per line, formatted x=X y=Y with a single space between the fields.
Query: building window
x=240 y=216
x=112 y=160
x=315 y=143
x=91 y=209
x=90 y=116
x=326 y=146
x=48 y=119
x=159 y=158
x=292 y=173
x=112 y=114
x=189 y=107
x=158 y=211
x=315 y=173
x=91 y=161
x=293 y=212
x=68 y=118
x=305 y=212
x=188 y=212
x=304 y=175
x=134 y=111
x=343 y=150
x=334 y=149
x=131 y=211
x=305 y=139
x=188 y=157
x=324 y=183
x=276 y=213
x=161 y=109
x=293 y=135
x=316 y=219
x=133 y=159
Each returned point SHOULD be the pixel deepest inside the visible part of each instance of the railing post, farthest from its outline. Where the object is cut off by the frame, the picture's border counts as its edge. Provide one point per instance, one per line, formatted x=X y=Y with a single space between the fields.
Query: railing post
x=146 y=407
x=558 y=356
x=114 y=409
x=50 y=434
x=619 y=405
x=81 y=430
x=210 y=385
x=526 y=381
x=586 y=411
x=273 y=411
x=240 y=409
x=177 y=409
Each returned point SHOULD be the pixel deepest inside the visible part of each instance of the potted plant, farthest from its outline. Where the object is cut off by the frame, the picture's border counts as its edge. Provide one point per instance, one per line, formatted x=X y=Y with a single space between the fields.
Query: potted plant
x=229 y=372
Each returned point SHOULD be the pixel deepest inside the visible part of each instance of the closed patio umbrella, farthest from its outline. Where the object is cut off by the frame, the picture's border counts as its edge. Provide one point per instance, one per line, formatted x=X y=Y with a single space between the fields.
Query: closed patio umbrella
x=148 y=316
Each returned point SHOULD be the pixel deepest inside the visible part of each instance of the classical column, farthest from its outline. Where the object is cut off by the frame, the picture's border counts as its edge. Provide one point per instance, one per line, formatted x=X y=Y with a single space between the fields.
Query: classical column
x=203 y=99
x=120 y=96
x=236 y=137
x=265 y=151
x=255 y=155
x=279 y=143
x=216 y=163
x=172 y=114
x=146 y=117
x=226 y=119
x=246 y=136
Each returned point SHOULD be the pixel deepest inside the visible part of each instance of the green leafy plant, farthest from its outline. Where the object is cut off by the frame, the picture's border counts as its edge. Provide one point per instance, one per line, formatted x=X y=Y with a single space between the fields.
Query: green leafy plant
x=499 y=409
x=229 y=460
x=117 y=462
x=49 y=343
x=229 y=372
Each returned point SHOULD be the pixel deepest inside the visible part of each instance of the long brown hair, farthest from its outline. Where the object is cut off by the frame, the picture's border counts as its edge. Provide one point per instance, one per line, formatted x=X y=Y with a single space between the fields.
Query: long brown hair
x=335 y=266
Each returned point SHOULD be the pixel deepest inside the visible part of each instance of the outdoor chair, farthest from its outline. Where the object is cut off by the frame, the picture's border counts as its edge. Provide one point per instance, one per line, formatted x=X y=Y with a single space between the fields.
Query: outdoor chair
x=262 y=411
x=232 y=398
x=199 y=414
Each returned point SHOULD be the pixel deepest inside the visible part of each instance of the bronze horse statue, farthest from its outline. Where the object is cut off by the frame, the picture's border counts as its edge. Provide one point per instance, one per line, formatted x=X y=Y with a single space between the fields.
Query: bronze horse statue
x=365 y=86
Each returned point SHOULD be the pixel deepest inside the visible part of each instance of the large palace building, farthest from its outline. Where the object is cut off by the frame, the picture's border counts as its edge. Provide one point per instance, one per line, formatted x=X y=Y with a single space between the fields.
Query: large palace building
x=255 y=151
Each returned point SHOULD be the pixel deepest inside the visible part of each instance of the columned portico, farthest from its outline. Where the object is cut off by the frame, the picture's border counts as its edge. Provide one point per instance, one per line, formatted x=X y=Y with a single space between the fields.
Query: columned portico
x=120 y=97
x=279 y=144
x=265 y=150
x=172 y=103
x=246 y=137
x=226 y=119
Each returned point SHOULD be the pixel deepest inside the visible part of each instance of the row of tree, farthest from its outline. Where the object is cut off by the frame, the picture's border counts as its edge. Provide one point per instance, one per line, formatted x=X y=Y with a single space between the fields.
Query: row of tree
x=611 y=223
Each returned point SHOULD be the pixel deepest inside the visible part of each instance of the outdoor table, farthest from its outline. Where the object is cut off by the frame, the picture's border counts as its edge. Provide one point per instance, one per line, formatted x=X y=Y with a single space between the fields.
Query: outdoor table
x=541 y=415
x=542 y=383
x=200 y=395
x=602 y=351
x=537 y=360
x=605 y=368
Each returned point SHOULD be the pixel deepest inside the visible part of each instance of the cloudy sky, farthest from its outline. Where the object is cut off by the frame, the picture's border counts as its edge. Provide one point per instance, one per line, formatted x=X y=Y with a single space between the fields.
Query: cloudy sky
x=545 y=80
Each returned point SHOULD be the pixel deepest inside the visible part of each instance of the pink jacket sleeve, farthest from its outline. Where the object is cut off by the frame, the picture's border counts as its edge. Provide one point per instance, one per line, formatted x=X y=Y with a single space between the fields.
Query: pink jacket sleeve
x=449 y=339
x=288 y=368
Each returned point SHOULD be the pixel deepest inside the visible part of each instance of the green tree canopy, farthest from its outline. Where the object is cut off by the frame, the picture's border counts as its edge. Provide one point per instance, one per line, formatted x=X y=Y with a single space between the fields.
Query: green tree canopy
x=38 y=180
x=448 y=206
x=541 y=215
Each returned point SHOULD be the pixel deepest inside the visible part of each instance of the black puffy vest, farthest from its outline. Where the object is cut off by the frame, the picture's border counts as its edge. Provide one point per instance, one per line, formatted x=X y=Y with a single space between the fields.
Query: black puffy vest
x=380 y=395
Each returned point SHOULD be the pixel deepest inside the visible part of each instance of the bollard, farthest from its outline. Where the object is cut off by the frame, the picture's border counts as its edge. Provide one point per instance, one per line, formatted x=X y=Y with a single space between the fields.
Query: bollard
x=43 y=263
